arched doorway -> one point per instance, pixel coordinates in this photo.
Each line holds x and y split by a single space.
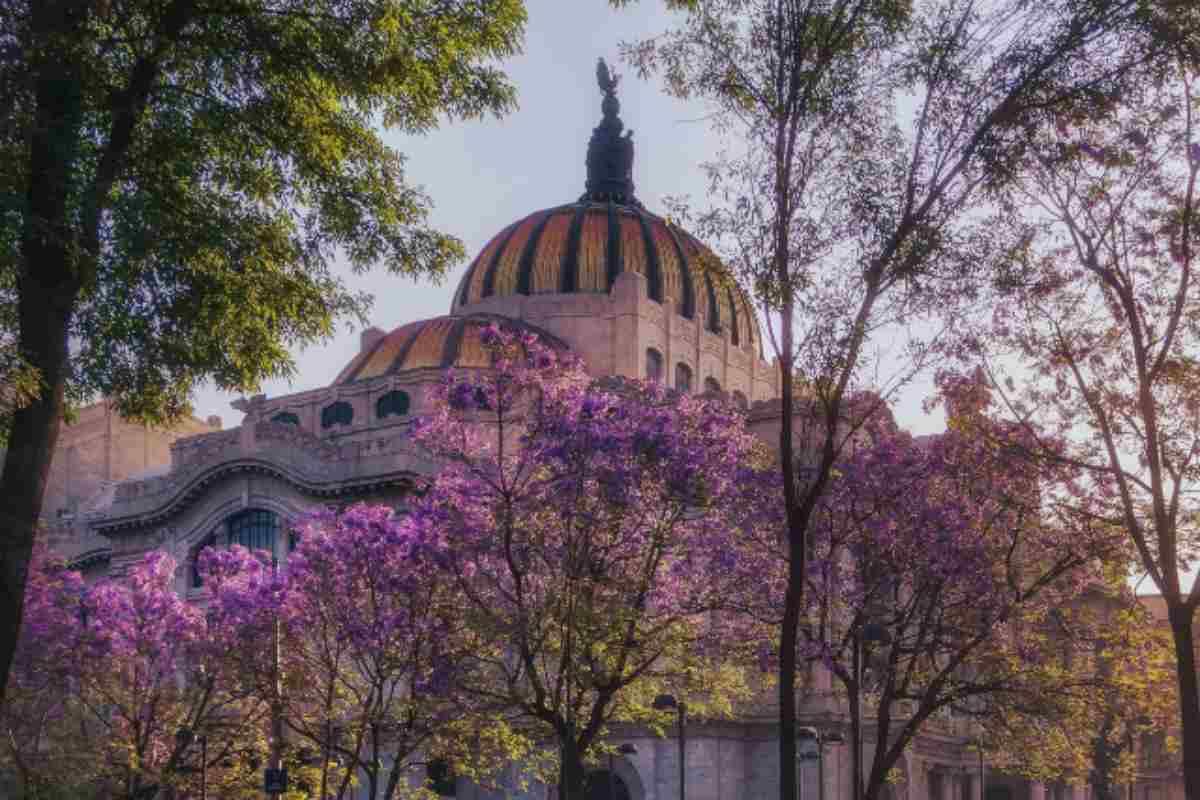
604 785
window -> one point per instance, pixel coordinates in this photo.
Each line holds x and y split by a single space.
654 365
197 578
254 529
739 400
683 377
286 418
392 404
339 413
711 384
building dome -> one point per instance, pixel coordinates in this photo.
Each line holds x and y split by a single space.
582 247
437 343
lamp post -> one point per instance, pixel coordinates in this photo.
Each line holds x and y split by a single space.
806 734
184 738
869 632
834 738
661 703
275 780
820 739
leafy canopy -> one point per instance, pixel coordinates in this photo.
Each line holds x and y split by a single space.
218 156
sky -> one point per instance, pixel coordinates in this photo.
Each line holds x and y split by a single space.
483 175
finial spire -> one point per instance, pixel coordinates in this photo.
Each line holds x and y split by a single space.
609 154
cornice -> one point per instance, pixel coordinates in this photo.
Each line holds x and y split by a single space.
194 487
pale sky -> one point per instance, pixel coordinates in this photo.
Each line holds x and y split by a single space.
483 175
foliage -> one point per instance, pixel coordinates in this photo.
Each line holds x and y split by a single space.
220 154
105 678
871 128
177 179
371 646
1094 335
1110 672
936 564
595 534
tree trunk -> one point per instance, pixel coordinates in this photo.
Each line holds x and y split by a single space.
47 286
573 778
1181 617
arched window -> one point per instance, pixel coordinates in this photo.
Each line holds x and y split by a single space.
254 529
209 541
339 413
683 377
392 404
739 399
286 418
711 384
654 365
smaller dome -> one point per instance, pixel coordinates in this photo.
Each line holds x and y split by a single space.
437 343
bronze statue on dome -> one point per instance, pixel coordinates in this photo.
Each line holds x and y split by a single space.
610 155
608 80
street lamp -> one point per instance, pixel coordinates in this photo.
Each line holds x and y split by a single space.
834 738
869 632
184 738
661 703
807 734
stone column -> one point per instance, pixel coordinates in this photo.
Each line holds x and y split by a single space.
1037 790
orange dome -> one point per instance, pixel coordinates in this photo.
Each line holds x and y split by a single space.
584 246
437 343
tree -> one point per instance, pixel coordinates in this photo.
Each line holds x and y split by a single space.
178 177
107 676
1099 308
372 641
936 565
1108 672
842 215
594 537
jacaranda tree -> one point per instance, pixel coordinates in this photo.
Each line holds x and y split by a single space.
372 642
593 533
106 679
936 565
